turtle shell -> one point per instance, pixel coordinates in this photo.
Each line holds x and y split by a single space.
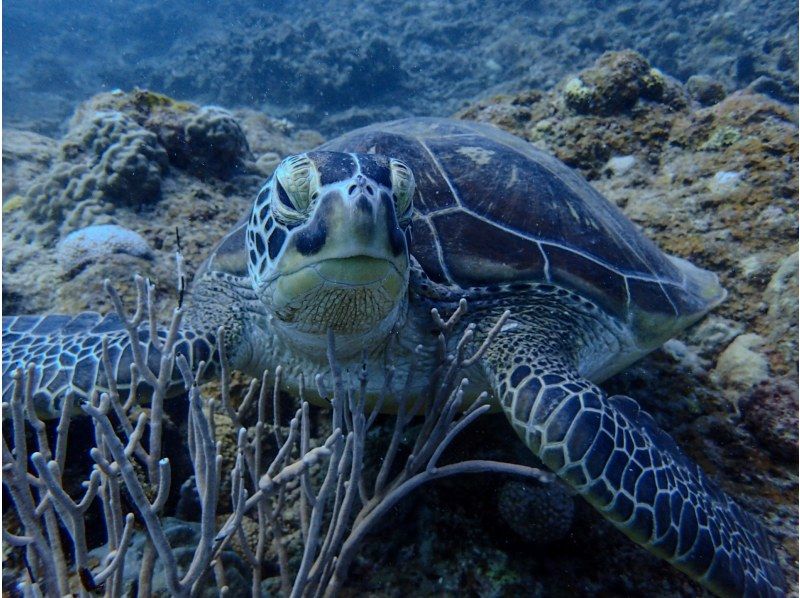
491 209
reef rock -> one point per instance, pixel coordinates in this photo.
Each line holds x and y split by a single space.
742 364
25 156
616 82
705 90
541 513
770 412
183 537
215 142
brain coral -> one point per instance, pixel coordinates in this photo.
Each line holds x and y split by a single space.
94 243
216 143
106 159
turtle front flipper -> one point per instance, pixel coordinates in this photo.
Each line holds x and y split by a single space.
67 354
617 458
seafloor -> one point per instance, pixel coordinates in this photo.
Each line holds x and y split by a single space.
711 175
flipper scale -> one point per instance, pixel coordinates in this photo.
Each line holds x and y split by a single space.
66 352
615 455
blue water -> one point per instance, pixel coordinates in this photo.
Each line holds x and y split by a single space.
335 64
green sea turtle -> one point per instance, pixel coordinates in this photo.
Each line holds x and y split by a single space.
365 234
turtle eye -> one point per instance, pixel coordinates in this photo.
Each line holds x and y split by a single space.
296 182
403 186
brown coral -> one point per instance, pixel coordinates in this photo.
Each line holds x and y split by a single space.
616 82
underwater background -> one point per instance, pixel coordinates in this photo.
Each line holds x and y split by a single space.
155 115
334 65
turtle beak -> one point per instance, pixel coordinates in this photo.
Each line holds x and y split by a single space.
354 218
345 269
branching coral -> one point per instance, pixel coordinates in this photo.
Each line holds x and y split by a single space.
335 514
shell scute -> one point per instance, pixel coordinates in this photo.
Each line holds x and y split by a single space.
433 192
425 246
478 253
589 277
646 292
528 201
524 194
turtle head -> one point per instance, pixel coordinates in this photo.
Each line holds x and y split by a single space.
328 250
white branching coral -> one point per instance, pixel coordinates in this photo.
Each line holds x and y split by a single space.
335 515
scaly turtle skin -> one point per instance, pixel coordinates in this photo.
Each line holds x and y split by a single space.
368 232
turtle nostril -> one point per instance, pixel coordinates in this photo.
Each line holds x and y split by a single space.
370 190
351 189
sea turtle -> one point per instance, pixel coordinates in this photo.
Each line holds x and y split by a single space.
368 232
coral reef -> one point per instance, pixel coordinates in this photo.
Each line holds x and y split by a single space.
711 178
183 537
139 159
178 558
705 90
25 155
215 143
105 160
337 64
540 514
770 412
742 364
616 82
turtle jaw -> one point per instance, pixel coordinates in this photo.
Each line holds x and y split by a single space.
359 298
